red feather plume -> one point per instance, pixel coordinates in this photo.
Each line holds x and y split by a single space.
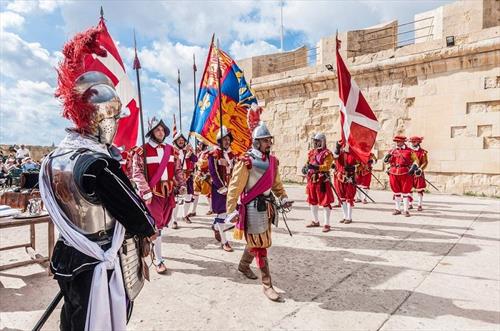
75 107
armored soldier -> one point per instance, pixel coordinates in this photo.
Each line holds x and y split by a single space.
220 165
419 183
403 163
253 180
319 186
91 201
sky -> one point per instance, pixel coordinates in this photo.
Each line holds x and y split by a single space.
33 32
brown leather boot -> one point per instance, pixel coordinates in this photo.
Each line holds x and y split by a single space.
244 266
269 291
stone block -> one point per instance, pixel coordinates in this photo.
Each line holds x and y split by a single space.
491 143
483 107
492 82
484 130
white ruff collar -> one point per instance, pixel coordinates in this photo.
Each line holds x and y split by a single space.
75 140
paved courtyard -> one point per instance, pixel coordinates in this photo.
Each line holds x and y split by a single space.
439 269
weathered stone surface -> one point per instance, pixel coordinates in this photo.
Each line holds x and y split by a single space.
448 95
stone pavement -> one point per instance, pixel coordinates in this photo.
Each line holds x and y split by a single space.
439 269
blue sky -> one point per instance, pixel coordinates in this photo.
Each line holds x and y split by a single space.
33 32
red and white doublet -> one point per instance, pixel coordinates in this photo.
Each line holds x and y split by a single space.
162 194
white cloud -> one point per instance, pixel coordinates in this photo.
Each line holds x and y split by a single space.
242 51
24 60
28 6
10 19
30 113
21 6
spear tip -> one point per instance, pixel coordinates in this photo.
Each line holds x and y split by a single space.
102 13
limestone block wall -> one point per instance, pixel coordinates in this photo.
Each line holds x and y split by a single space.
273 63
358 42
449 95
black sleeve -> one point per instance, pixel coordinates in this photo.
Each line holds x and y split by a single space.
106 180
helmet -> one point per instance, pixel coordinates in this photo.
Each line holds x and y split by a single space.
260 132
98 90
153 123
223 133
320 137
177 136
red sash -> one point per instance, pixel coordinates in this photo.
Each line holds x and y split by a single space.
263 184
167 151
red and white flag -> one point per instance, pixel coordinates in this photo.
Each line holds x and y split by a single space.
112 66
359 123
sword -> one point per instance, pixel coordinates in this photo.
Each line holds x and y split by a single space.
378 180
366 195
48 311
431 185
333 188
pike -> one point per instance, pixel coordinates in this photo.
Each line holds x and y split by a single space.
431 185
362 191
194 95
194 107
378 180
219 76
137 66
179 93
38 326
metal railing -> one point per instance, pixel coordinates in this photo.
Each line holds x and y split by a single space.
401 36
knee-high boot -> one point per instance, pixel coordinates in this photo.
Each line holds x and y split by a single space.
269 291
244 266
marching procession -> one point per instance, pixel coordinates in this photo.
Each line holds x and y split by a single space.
113 211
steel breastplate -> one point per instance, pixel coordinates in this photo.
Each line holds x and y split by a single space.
257 221
85 212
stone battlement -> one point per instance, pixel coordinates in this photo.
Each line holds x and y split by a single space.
449 94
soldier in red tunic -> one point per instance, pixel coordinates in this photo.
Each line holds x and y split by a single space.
403 163
364 177
164 177
319 186
344 181
188 160
419 183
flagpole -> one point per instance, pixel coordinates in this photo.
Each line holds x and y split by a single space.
194 96
179 89
137 66
219 75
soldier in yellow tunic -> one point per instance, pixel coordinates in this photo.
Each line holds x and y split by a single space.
255 176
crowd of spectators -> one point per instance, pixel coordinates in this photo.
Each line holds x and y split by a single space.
14 163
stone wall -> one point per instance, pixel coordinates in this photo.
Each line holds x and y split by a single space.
449 95
273 63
